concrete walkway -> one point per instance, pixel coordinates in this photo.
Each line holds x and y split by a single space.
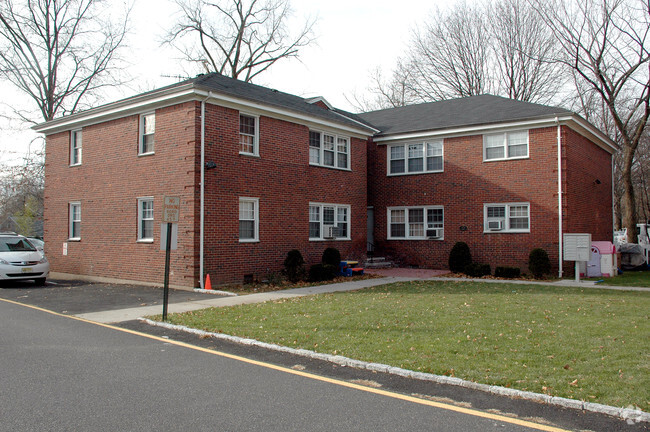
389 276
114 316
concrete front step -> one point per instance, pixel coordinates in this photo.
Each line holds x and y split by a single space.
378 262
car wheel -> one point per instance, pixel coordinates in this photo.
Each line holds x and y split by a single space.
40 281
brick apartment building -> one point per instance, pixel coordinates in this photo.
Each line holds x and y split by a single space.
260 172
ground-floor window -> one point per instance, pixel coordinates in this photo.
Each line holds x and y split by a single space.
416 223
145 219
248 219
507 217
74 223
329 221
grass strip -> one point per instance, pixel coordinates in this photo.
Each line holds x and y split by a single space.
578 343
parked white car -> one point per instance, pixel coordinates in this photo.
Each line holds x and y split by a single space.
20 260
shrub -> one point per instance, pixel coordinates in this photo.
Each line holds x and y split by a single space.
294 266
477 270
507 272
332 256
322 272
274 278
459 257
538 263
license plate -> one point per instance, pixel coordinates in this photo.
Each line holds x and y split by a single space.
27 270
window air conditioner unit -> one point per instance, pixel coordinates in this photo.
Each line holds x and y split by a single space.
434 233
495 225
330 232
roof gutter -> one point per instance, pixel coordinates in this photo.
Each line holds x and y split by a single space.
572 120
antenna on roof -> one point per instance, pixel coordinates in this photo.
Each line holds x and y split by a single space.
178 77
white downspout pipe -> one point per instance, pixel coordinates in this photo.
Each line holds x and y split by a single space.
559 197
202 205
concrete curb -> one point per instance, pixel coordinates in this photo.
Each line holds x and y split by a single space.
216 292
630 415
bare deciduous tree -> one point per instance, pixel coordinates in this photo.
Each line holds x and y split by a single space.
450 55
523 46
237 38
502 48
58 52
386 93
606 43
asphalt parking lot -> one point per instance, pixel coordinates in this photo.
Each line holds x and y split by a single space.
77 297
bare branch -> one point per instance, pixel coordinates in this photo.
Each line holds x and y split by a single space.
238 38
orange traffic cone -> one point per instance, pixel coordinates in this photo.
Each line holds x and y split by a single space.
208 285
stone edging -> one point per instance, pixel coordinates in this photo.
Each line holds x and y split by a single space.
630 415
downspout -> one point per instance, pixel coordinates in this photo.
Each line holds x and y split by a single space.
202 205
559 197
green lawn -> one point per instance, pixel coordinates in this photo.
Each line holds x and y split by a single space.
579 343
629 278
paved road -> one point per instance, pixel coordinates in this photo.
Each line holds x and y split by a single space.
60 373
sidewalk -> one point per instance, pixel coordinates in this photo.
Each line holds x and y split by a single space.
120 315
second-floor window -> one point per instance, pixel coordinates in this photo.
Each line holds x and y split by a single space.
415 158
147 131
507 145
248 135
75 147
329 150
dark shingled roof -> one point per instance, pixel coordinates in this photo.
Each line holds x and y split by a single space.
252 92
475 110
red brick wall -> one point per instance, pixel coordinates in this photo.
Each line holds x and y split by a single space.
107 184
285 184
588 204
467 183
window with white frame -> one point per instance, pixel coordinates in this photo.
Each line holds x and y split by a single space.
415 158
416 223
329 221
74 226
248 134
75 147
145 219
509 217
248 219
147 132
506 145
329 150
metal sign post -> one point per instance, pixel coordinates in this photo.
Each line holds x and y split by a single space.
171 210
166 284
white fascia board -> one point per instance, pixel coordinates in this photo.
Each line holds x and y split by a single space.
467 130
280 113
148 102
574 122
119 109
586 129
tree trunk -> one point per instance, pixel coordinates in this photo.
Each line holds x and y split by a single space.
628 199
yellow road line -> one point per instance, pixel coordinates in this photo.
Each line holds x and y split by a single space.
448 407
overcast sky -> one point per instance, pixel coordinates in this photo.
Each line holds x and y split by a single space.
353 37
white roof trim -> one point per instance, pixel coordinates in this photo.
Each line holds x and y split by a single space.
316 99
283 114
575 122
186 93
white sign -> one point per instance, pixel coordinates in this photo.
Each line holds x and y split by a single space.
163 237
65 248
577 247
171 209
